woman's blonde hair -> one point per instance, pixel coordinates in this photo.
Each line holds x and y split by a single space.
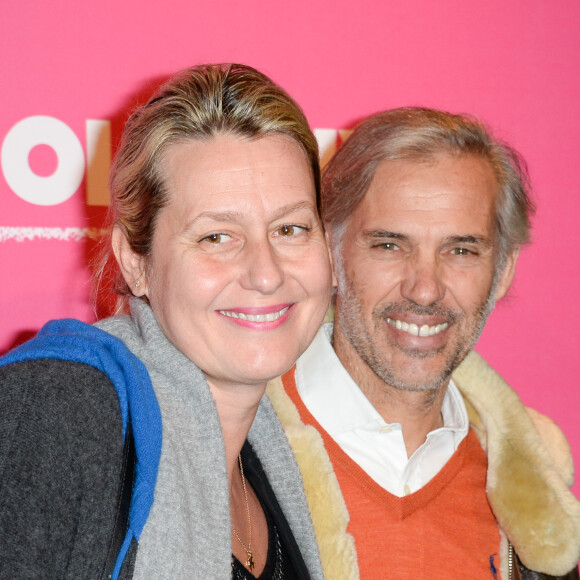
197 103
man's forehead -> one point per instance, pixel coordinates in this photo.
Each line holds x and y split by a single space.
448 191
466 176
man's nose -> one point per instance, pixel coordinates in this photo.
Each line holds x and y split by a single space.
422 282
262 268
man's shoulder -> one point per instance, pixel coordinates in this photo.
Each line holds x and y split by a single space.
555 442
529 470
491 397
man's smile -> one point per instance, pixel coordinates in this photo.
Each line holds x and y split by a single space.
416 330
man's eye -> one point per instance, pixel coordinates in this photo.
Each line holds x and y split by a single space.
215 238
461 252
388 246
290 230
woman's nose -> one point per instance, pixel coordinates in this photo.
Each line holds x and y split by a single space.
262 270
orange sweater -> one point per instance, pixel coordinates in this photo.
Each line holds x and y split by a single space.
446 530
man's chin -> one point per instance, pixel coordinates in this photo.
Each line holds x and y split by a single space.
426 363
420 371
419 383
415 353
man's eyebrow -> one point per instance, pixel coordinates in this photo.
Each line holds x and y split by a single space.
470 239
383 235
466 239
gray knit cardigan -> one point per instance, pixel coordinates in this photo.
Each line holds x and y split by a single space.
188 533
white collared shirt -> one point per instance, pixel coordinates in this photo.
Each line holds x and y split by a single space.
336 402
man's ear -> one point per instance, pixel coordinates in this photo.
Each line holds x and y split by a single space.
329 246
508 274
132 265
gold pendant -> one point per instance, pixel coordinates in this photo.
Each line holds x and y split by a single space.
250 561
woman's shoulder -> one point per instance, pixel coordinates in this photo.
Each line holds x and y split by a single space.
57 387
68 405
61 450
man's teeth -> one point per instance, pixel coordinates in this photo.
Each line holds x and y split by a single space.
269 317
416 330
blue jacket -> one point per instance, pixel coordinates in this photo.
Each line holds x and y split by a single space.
75 341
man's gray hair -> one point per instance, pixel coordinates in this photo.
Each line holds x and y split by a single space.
420 134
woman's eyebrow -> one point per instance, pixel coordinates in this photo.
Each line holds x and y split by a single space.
229 216
294 207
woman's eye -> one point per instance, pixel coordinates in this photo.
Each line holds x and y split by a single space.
215 239
290 230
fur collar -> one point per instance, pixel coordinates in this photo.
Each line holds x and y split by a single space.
329 514
529 471
527 484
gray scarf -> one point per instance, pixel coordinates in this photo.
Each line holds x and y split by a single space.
188 533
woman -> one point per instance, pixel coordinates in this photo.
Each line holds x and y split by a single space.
223 265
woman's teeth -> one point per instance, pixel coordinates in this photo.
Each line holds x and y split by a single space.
269 317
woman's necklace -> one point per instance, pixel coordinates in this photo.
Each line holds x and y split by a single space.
248 550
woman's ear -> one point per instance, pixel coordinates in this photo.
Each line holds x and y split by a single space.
132 265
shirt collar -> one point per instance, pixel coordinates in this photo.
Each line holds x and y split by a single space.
337 403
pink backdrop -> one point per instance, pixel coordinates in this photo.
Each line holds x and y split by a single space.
71 71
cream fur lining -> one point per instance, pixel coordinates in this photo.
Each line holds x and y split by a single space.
329 514
529 471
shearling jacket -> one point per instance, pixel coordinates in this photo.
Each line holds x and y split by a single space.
529 474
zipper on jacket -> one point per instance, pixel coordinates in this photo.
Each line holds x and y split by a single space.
510 562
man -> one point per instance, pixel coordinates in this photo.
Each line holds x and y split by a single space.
432 476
